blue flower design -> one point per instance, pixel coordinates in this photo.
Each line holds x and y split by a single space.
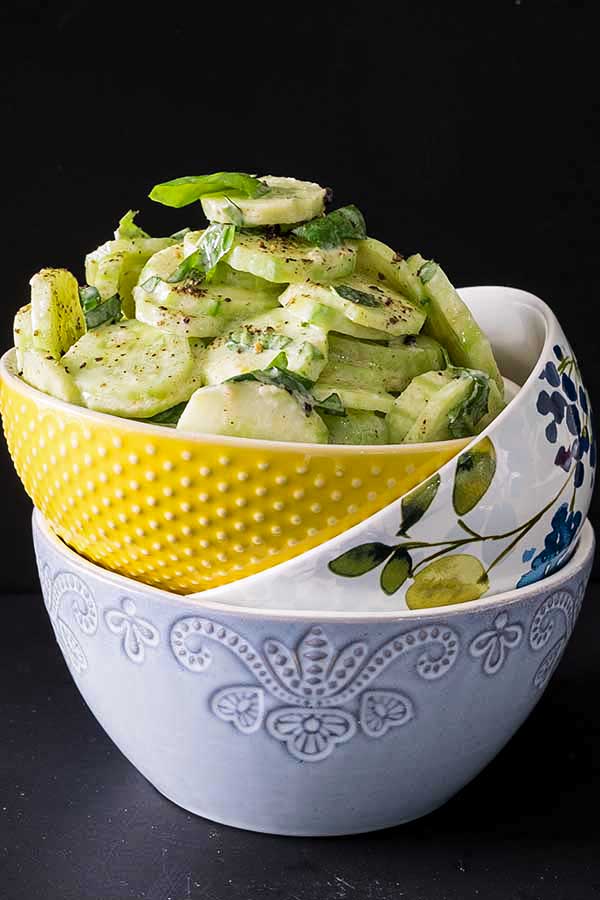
565 525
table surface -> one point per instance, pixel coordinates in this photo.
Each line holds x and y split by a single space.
77 821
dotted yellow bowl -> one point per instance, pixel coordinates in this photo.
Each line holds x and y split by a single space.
185 511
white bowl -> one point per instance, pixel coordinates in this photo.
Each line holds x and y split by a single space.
306 723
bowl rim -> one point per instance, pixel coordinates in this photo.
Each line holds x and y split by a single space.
519 296
581 556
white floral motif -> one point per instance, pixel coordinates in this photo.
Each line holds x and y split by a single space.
310 734
559 607
243 706
313 681
382 710
84 610
494 645
137 633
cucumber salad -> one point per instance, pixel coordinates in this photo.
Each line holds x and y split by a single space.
279 320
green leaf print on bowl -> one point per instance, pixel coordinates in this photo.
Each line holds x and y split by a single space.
450 579
475 471
416 504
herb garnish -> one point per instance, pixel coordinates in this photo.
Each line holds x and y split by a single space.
361 298
331 230
182 191
278 375
96 310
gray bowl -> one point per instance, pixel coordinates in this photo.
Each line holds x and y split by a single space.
306 723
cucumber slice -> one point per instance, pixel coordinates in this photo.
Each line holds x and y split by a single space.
354 397
496 404
409 405
255 344
284 259
439 406
450 322
23 333
287 202
205 298
252 410
306 308
391 367
357 427
56 316
114 267
362 302
130 369
46 374
178 323
381 263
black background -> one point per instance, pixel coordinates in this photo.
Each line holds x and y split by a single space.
464 131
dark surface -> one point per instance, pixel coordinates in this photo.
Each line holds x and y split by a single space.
463 130
78 823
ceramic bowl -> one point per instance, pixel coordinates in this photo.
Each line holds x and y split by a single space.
306 723
191 512
503 513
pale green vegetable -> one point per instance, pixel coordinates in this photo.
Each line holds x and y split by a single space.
22 333
356 427
56 316
45 373
284 258
131 369
286 201
253 410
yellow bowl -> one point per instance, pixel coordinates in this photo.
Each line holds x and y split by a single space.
184 511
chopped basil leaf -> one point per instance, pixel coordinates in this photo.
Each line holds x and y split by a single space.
247 339
278 375
463 419
182 191
234 212
215 242
361 298
127 229
179 235
331 230
104 313
150 283
427 271
89 297
169 416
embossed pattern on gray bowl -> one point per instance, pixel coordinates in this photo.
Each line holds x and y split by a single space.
302 724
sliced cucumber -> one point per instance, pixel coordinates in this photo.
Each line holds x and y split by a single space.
412 401
130 369
380 263
174 322
45 373
303 306
252 410
114 267
56 316
392 367
201 298
439 406
354 397
288 201
255 344
364 303
496 404
23 333
284 259
450 322
356 427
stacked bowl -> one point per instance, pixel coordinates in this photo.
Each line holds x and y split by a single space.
316 639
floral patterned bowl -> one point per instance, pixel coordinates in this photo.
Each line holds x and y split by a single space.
503 513
306 723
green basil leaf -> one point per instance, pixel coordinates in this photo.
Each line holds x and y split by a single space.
463 419
245 339
127 229
89 297
104 313
361 298
234 212
360 560
215 242
395 572
427 271
415 505
169 416
331 230
182 191
278 375
475 471
150 283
